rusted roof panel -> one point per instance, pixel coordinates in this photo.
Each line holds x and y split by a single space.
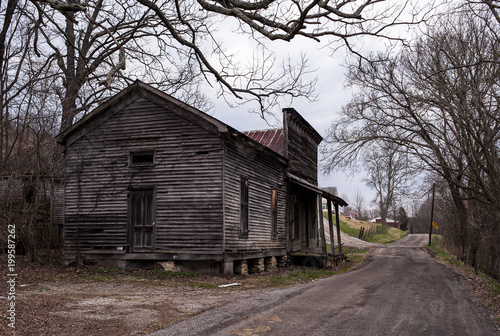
272 138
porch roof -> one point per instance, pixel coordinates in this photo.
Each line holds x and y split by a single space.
308 185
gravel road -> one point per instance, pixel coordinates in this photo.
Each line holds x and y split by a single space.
399 290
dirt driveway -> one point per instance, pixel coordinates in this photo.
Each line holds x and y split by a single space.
58 300
399 290
111 309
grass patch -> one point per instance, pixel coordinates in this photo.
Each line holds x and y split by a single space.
106 269
357 256
202 285
349 230
390 236
302 275
299 276
441 254
352 228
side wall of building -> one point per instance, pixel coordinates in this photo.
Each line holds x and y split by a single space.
263 172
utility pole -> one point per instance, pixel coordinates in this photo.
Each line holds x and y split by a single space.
432 213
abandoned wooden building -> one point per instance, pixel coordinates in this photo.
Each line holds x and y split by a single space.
151 179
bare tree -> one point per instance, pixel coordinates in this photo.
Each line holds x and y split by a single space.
437 100
491 5
359 204
174 44
389 174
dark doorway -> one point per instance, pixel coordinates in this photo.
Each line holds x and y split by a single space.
304 217
142 220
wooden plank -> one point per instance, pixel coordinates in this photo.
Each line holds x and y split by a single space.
339 240
321 225
330 226
263 175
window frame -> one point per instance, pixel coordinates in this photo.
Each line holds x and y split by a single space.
274 213
244 206
144 153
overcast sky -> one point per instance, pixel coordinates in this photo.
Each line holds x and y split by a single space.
319 114
331 97
332 94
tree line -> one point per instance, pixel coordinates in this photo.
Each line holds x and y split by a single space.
431 113
432 104
61 59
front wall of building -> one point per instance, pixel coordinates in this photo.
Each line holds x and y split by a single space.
185 180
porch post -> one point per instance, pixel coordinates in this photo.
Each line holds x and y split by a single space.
330 226
339 242
321 225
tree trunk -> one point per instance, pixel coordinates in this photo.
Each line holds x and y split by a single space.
69 100
4 130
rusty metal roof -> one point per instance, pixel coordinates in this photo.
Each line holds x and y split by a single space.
272 138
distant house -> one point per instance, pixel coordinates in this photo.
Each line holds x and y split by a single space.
32 191
149 178
331 190
389 221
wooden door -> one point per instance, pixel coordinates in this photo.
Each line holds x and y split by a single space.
142 220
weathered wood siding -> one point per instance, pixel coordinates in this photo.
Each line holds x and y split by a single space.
49 192
186 176
264 173
302 146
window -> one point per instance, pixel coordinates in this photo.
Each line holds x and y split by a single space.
29 192
244 207
142 158
274 213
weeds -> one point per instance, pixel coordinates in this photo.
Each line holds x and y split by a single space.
391 235
202 285
298 276
172 274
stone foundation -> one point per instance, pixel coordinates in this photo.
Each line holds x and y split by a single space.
241 267
256 265
168 266
283 261
270 264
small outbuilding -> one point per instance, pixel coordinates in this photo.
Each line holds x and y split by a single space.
151 179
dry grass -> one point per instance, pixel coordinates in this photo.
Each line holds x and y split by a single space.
357 224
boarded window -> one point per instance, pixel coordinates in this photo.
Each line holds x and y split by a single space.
29 191
244 207
274 213
142 158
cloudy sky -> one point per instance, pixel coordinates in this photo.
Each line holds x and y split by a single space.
332 94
